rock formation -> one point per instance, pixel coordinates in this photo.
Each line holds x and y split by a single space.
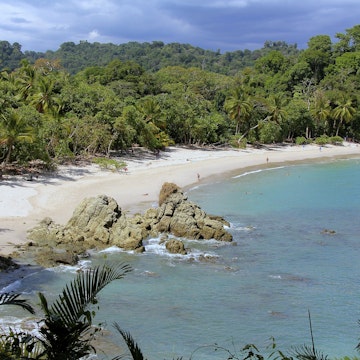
99 222
182 218
7 264
175 247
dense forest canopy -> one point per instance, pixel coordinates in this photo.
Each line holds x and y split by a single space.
151 56
91 99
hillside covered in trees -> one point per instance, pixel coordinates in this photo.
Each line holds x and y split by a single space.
91 99
151 56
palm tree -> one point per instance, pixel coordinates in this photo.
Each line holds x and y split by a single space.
320 109
239 107
26 79
151 111
275 106
13 129
43 98
344 112
153 123
67 329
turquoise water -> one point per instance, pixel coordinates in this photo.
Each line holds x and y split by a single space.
281 266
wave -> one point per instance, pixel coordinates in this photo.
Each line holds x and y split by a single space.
111 249
290 277
197 250
257 171
11 287
16 279
157 246
238 227
81 265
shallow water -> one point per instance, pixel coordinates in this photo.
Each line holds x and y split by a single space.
283 264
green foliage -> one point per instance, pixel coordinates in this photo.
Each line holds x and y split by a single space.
269 133
17 345
150 56
107 97
336 140
67 329
237 141
13 299
322 140
239 106
298 121
301 140
14 129
10 55
109 164
133 347
272 63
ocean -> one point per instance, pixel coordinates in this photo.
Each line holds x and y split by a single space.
296 250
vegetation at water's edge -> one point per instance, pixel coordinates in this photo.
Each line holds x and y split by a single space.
93 99
66 330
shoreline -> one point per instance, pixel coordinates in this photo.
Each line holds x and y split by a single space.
24 203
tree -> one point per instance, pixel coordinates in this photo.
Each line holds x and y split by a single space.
299 121
151 111
348 42
26 79
46 66
87 134
269 132
320 110
66 332
299 73
273 62
239 107
153 131
14 128
350 62
275 107
43 98
343 112
318 55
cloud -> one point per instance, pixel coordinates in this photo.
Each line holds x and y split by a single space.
94 34
227 25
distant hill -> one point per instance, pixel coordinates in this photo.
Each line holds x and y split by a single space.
151 56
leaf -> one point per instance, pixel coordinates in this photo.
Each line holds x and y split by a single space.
131 344
12 299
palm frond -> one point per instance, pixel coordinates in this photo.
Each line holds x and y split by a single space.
12 299
68 329
131 344
82 291
306 352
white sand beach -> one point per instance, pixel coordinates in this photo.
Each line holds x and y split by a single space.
24 203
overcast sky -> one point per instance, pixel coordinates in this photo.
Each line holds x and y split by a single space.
224 25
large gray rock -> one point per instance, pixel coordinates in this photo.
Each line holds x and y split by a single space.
174 246
98 222
179 216
92 220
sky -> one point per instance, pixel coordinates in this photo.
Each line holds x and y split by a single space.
217 25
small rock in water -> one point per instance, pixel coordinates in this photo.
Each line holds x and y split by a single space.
328 232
